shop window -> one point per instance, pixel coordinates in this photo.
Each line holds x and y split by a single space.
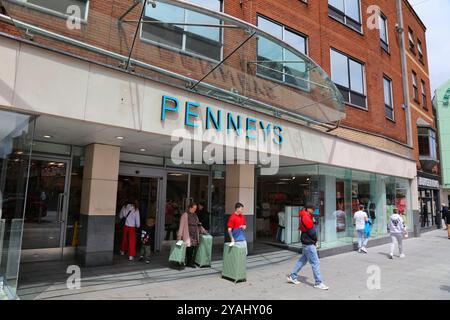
427 143
198 40
347 12
279 63
388 101
348 75
384 38
59 7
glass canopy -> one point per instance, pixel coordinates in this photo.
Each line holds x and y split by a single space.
192 46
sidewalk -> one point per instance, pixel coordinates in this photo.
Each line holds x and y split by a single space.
423 274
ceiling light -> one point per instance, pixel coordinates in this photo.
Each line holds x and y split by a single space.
142 149
120 138
47 136
19 152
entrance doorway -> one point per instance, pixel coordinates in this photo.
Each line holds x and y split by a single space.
46 210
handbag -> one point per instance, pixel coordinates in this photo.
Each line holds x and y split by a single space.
124 219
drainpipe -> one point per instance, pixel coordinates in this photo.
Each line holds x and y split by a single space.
401 31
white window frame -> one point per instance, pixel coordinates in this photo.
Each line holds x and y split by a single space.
183 45
36 7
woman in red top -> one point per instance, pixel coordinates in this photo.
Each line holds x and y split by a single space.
237 225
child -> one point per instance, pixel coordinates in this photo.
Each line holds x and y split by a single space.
397 229
146 239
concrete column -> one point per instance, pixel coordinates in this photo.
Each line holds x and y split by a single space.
414 194
240 187
98 205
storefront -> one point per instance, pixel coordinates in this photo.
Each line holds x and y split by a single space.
429 199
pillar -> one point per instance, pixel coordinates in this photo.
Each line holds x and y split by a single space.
240 187
98 205
413 194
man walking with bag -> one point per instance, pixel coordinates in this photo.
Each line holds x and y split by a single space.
309 250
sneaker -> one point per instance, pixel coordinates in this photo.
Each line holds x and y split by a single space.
294 281
402 255
130 258
122 253
359 250
363 249
321 286
147 261
391 256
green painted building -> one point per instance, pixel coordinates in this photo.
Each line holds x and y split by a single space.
441 102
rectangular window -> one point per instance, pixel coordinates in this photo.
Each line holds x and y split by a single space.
424 94
415 88
388 99
279 63
420 50
427 142
411 41
347 12
60 7
199 40
384 38
348 75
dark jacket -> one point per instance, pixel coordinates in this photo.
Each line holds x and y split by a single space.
309 233
446 214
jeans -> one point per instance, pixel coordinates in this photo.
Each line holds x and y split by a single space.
309 255
362 240
396 237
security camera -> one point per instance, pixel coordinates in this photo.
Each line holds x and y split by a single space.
152 2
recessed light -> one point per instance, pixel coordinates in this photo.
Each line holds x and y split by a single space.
47 136
142 149
19 152
120 138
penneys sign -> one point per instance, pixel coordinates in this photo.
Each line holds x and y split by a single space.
221 120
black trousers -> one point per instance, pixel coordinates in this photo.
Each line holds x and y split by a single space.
190 256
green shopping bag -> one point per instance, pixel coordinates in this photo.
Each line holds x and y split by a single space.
204 251
178 253
234 262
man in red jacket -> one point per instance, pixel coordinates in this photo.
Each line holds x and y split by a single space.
309 250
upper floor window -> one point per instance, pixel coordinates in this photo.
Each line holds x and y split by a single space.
347 12
388 100
277 62
59 7
411 40
420 50
384 38
187 36
348 75
427 142
415 88
424 94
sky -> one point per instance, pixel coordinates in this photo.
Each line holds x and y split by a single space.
435 14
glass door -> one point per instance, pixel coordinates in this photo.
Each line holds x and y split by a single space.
177 200
46 208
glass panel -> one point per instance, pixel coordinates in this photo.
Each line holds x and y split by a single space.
295 40
199 192
387 92
383 29
218 214
338 4
176 202
270 27
352 9
270 57
45 204
356 77
339 69
203 40
209 4
73 212
16 133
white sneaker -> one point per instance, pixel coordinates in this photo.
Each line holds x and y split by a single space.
363 249
391 256
294 281
321 286
131 258
402 255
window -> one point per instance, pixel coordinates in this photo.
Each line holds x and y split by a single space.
384 33
348 75
388 100
59 6
415 90
198 40
272 57
427 142
424 95
346 12
411 41
420 50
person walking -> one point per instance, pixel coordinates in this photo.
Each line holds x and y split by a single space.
189 231
360 224
237 226
309 251
446 216
130 213
397 230
203 215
